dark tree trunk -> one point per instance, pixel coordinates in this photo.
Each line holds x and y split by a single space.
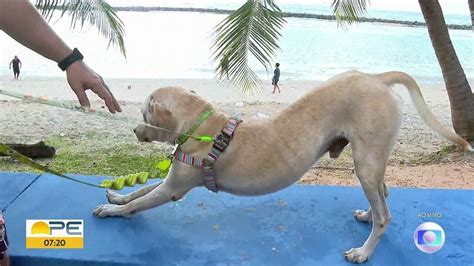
471 8
457 86
38 150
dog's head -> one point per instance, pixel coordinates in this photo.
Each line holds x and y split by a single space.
172 108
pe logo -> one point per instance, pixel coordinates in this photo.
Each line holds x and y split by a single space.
55 234
429 237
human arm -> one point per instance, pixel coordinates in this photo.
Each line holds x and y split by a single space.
19 61
10 65
33 32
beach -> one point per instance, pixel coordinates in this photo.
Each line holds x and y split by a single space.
79 174
167 48
420 158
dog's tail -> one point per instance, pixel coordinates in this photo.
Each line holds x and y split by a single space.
395 77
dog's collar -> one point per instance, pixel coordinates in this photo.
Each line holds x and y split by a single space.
221 141
204 116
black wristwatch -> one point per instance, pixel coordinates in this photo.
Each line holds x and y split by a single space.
70 59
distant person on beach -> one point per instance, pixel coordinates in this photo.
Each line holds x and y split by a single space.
33 32
16 66
276 78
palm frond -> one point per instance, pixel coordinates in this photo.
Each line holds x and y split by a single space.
253 29
96 12
349 11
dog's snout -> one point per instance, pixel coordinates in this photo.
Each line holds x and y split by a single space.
134 130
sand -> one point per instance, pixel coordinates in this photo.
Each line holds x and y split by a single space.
30 122
57 88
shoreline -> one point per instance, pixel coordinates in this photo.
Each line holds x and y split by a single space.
288 15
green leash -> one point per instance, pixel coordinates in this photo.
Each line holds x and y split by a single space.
204 116
116 184
44 100
27 161
119 182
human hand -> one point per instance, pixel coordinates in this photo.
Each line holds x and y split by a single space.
81 78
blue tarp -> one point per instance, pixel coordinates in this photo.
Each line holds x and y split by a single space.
301 225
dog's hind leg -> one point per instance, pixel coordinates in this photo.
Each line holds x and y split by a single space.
366 216
370 166
363 216
116 198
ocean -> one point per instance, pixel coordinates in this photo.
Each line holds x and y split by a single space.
165 45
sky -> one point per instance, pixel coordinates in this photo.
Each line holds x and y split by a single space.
448 6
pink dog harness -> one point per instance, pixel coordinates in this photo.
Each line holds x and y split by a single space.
221 141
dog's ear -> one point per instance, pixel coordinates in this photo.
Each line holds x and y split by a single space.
151 104
159 111
155 107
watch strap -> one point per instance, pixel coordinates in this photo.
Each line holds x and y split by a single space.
70 59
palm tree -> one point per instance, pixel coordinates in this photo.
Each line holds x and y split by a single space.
471 8
96 12
457 86
254 28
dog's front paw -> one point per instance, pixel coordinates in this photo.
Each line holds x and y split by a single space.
115 198
106 210
363 216
356 255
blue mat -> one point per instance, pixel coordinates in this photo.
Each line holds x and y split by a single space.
12 185
301 225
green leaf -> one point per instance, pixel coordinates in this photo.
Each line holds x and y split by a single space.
96 12
253 29
349 11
